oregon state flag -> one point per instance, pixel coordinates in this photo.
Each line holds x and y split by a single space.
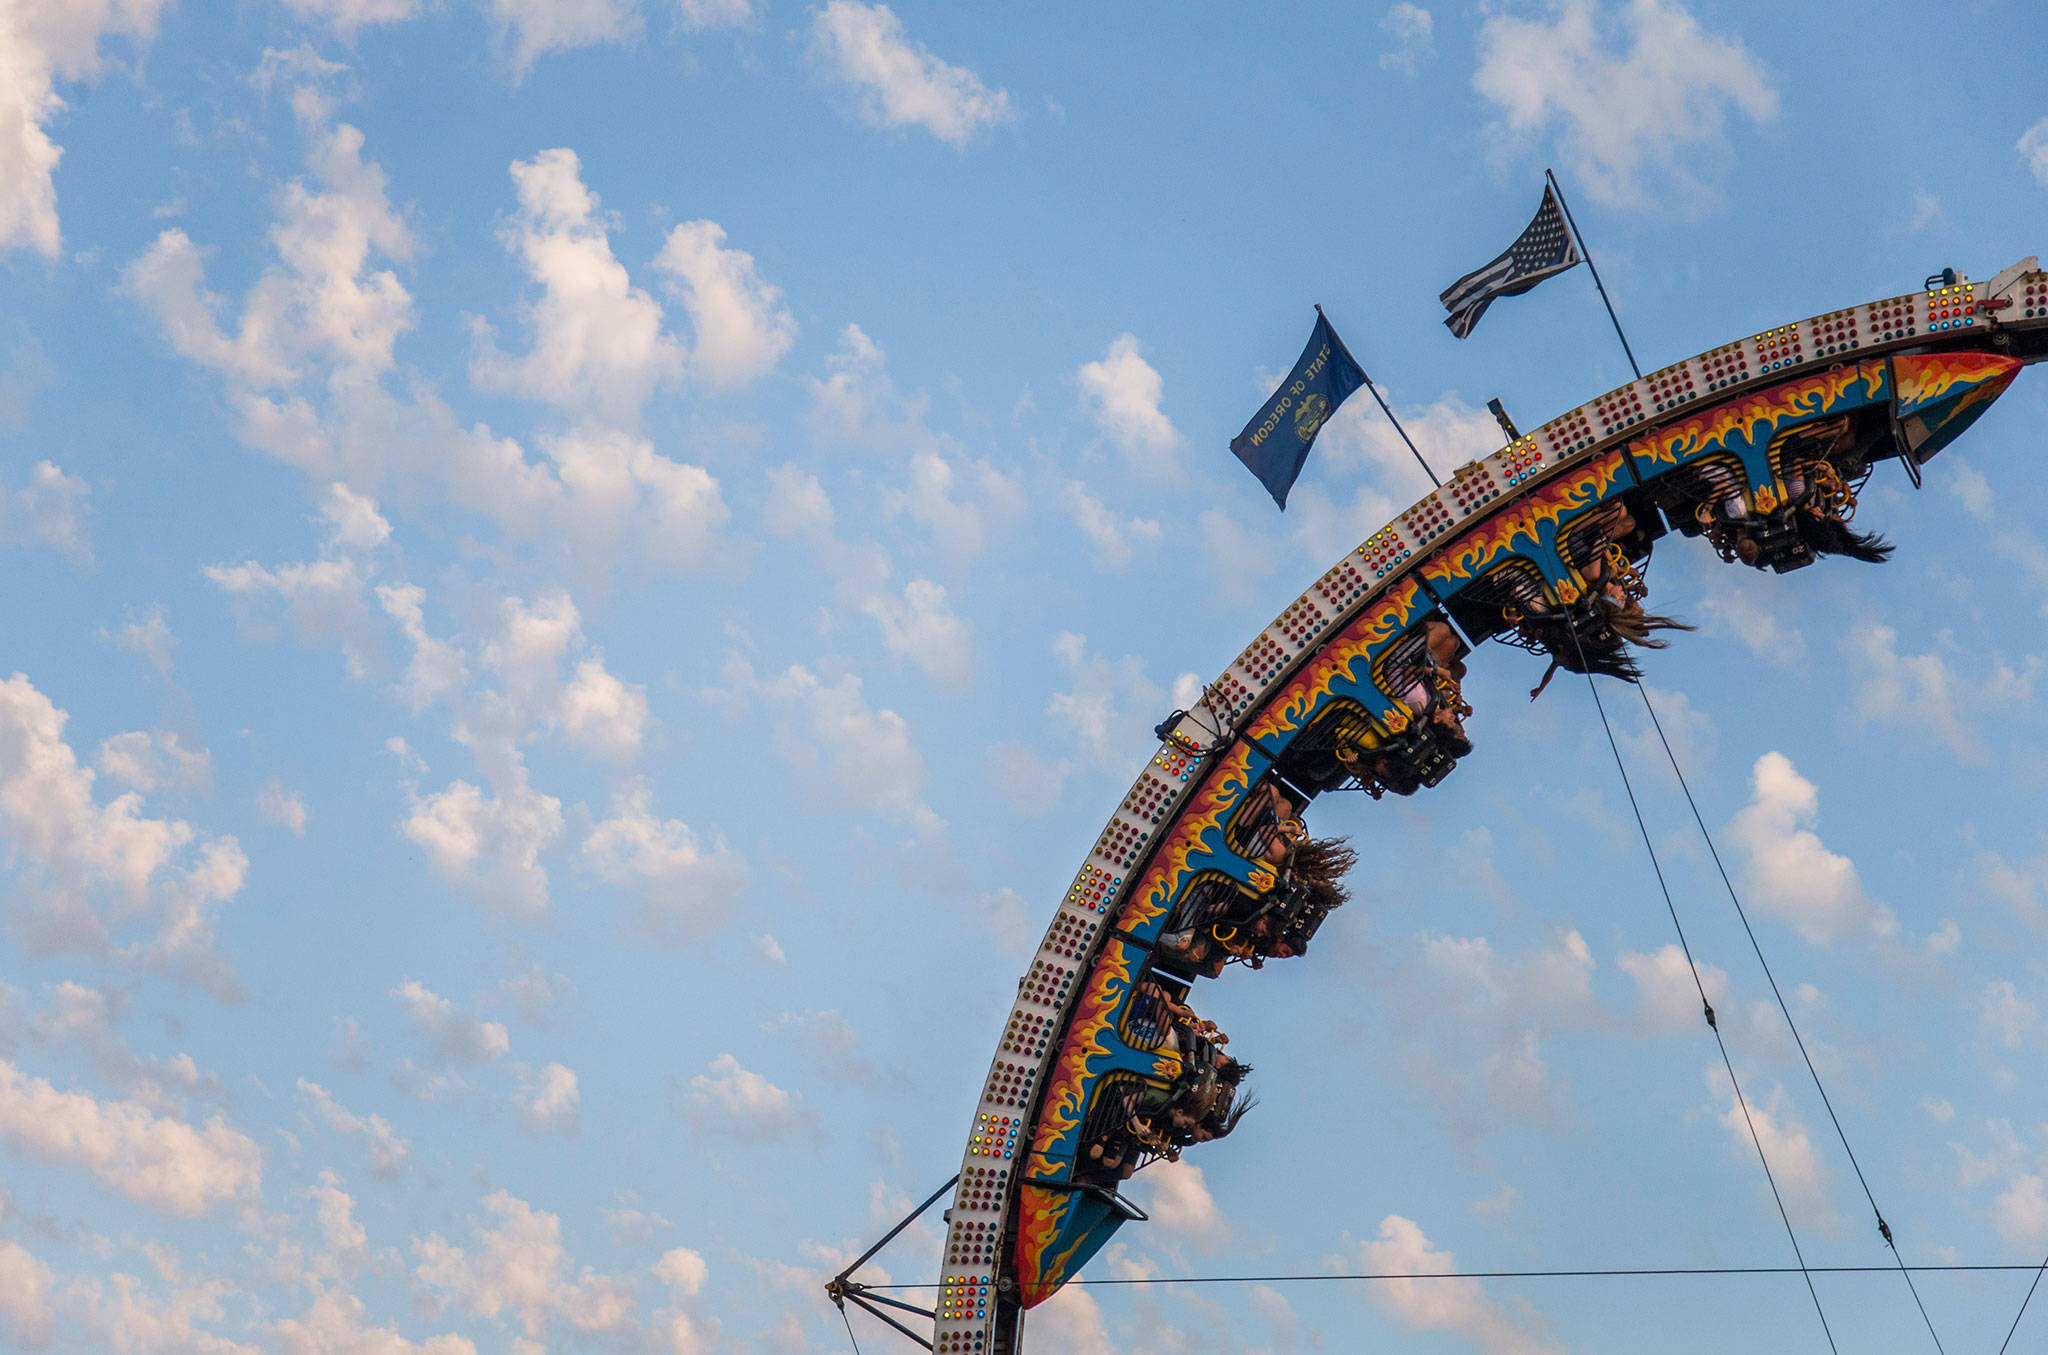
1276 442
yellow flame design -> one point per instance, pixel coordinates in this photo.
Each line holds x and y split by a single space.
1711 428
1474 553
1926 378
1375 625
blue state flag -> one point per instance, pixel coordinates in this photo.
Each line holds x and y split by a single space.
1275 443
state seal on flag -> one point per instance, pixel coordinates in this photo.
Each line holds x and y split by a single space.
1309 417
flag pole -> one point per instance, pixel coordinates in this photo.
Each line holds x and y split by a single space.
1587 254
1380 400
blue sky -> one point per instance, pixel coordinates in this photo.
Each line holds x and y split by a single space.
584 574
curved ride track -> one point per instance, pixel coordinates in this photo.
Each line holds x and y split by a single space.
1511 536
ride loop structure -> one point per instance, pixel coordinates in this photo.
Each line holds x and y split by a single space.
1757 446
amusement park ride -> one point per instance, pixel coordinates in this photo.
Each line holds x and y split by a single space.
1758 446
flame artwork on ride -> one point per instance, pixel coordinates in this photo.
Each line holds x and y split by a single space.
1357 684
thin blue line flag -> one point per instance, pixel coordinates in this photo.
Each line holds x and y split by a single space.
1275 443
1544 249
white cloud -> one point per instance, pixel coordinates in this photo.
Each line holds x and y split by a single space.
829 1043
847 747
528 647
2009 1016
119 1314
605 715
633 1227
1922 691
1413 31
1667 999
1460 1307
1181 1205
900 83
1927 211
797 505
1473 1023
305 361
1971 488
2021 1211
1447 431
335 1323
1755 610
25 1289
2033 149
598 344
1322 528
1123 391
687 889
490 844
682 1270
536 27
150 636
323 599
735 1103
923 629
150 761
39 45
352 519
847 399
518 1267
1632 118
83 1019
1790 873
1112 706
346 17
1795 1167
1113 539
698 15
28 371
616 489
1071 1321
334 1209
957 503
47 511
157 1161
388 1151
456 1038
324 304
548 1098
285 808
170 279
74 849
437 668
1688 729
740 325
1009 920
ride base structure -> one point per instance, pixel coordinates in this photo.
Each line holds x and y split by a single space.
1540 544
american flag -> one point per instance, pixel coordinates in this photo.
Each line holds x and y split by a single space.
1544 249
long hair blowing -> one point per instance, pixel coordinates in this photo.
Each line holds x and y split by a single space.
1826 535
1240 1106
1604 652
1635 626
1322 863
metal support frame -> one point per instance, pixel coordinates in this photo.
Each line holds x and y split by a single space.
863 1299
1441 606
842 1289
1891 407
1131 1212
